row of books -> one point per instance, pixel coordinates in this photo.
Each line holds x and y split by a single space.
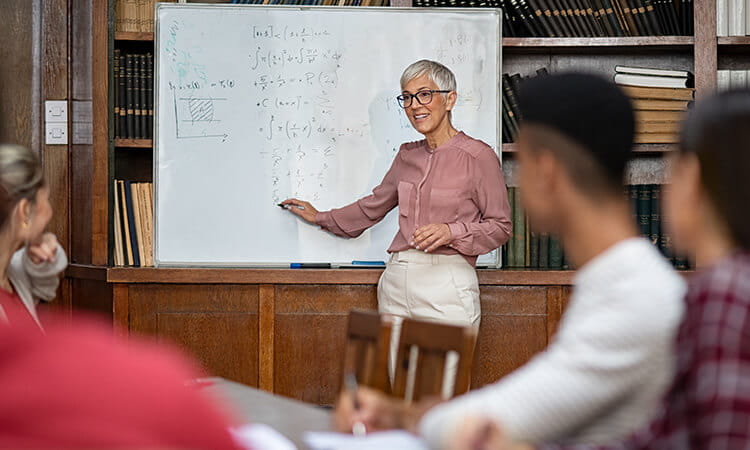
733 17
732 79
315 2
133 224
511 114
531 250
135 15
659 111
646 203
133 80
527 248
591 18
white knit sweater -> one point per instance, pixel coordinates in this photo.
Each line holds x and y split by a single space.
606 369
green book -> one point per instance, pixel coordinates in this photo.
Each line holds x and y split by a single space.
527 242
665 239
555 253
644 210
655 225
519 230
543 250
510 245
633 194
534 250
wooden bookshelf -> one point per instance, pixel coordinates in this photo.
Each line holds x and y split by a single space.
586 42
733 41
509 149
134 143
134 36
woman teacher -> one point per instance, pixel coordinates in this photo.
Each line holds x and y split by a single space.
452 203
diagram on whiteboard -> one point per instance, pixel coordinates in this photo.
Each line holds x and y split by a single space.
198 117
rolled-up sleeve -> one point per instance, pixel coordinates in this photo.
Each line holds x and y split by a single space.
352 220
494 226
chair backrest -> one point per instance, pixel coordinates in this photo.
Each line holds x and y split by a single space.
368 337
433 341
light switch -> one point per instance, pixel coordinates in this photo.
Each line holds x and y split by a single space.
56 111
56 122
57 133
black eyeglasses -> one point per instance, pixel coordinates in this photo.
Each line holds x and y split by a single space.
423 97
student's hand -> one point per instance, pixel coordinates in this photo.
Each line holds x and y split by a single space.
432 236
376 411
301 208
480 433
43 249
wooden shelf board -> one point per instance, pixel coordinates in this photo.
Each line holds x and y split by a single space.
734 40
510 277
638 148
134 36
134 143
647 41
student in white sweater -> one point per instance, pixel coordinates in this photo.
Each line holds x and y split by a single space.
611 360
30 259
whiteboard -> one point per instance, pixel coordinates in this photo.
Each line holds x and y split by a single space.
256 104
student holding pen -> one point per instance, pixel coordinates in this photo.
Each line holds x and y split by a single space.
452 204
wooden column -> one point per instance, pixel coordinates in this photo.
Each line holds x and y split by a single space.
705 48
266 313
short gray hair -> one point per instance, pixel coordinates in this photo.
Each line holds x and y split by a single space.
441 75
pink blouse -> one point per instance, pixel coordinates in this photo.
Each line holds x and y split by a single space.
459 183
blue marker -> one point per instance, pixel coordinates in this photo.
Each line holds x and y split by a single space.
310 265
368 263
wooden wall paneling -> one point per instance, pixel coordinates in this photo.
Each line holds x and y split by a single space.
92 296
19 115
217 324
310 336
81 154
513 329
706 59
101 49
266 331
121 309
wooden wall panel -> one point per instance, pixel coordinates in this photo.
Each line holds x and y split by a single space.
513 329
216 324
309 337
92 296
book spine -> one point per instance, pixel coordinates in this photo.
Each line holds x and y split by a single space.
512 101
555 253
509 120
144 96
604 18
116 90
632 28
652 17
511 244
150 94
590 19
542 19
127 246
519 230
608 8
131 224
534 21
655 224
580 12
534 250
564 19
570 13
644 211
643 13
123 125
660 17
130 100
552 19
633 194
137 89
116 227
620 16
544 250
527 242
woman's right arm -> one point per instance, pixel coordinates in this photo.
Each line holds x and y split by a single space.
352 220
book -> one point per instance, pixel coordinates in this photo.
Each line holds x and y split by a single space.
137 207
511 244
737 79
660 105
137 88
652 17
527 242
653 72
534 250
116 91
653 81
644 210
127 242
119 256
656 138
659 116
122 120
655 223
658 127
129 97
150 95
625 8
736 13
131 223
544 250
639 92
519 230
555 253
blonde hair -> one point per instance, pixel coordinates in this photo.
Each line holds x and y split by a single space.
21 176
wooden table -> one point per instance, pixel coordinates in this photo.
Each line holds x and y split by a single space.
289 417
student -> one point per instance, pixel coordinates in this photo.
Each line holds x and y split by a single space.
30 259
452 204
611 360
708 404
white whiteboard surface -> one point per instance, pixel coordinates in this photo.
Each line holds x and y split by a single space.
258 104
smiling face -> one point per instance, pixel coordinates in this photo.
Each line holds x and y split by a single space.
434 116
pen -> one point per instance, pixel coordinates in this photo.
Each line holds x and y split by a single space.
358 428
310 265
283 206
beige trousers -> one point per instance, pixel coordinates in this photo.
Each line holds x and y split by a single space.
423 286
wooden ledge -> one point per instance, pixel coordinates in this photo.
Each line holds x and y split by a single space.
637 148
584 42
136 275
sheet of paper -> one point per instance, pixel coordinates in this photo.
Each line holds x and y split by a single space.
261 436
398 439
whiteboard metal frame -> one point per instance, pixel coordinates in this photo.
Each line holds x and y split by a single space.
497 12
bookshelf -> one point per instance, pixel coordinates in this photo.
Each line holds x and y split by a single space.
273 315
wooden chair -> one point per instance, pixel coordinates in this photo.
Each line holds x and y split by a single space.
434 341
368 337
